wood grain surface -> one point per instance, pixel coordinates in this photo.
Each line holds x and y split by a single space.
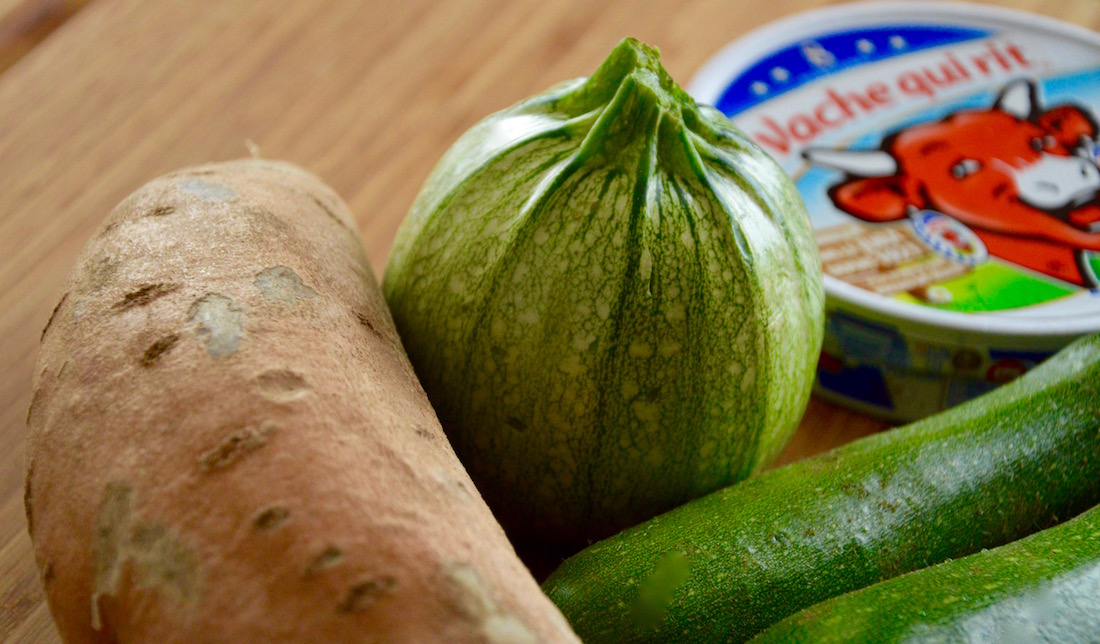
26 23
365 94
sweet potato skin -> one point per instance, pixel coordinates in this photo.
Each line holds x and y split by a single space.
227 442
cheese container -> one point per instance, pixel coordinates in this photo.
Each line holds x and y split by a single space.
947 154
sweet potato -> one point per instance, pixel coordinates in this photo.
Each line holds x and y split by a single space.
227 442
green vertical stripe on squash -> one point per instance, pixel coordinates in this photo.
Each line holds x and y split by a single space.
612 299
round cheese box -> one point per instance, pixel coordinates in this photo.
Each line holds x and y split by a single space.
947 154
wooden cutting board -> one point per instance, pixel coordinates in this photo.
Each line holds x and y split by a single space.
97 99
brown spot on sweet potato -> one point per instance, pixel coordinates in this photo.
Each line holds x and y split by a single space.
324 560
282 385
53 315
106 228
220 323
328 210
264 224
271 518
234 447
365 321
282 284
159 559
366 593
144 295
320 203
159 211
157 349
28 495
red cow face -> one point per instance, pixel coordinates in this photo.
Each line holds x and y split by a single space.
978 165
1009 171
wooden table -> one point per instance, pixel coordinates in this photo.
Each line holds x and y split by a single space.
96 99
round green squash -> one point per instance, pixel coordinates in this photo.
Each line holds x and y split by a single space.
613 299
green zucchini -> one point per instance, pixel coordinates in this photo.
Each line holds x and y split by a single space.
1045 587
730 564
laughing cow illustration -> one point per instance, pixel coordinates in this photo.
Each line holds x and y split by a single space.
1022 178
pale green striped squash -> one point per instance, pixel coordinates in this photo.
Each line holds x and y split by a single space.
613 300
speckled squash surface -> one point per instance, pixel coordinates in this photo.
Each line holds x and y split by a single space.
613 299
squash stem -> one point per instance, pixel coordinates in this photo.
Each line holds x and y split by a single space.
641 110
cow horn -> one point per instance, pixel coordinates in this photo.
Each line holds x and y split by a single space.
861 163
1019 98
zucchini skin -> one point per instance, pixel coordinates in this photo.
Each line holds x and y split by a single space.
1045 587
976 476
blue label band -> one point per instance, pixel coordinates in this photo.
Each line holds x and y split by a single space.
814 58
